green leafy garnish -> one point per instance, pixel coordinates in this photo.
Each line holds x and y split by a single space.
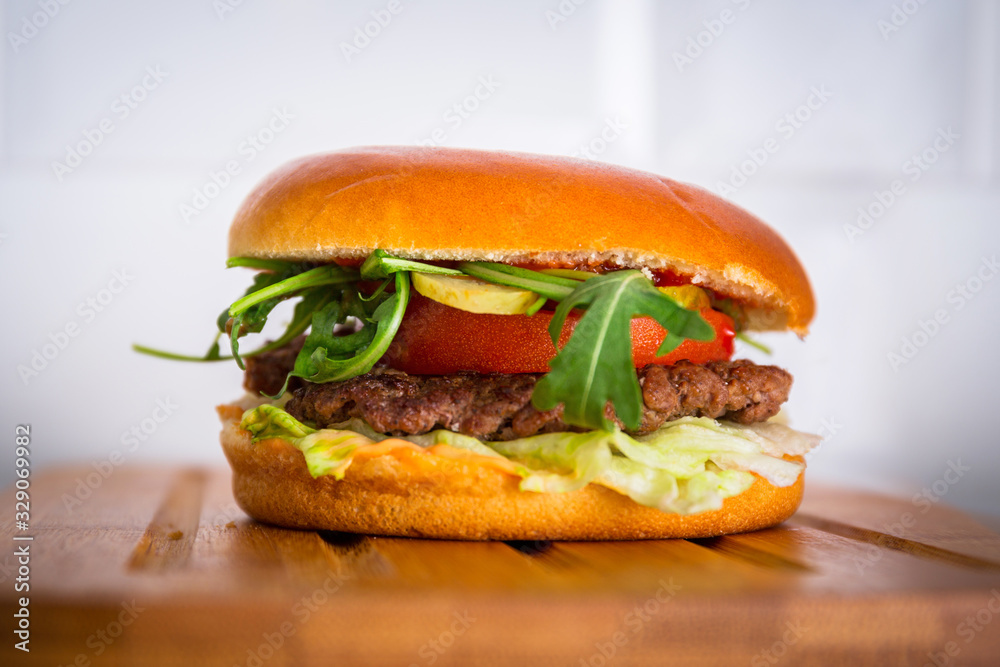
331 274
381 265
270 421
211 355
572 274
273 271
552 287
593 369
734 310
753 343
536 306
328 357
276 265
689 465
249 314
595 366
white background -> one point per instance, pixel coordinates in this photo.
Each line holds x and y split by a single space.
889 89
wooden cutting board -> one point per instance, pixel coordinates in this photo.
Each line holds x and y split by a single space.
157 566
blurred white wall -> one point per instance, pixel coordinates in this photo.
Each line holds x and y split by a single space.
802 112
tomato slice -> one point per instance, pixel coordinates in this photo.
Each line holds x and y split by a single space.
435 339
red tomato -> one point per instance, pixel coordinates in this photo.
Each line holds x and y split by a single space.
434 339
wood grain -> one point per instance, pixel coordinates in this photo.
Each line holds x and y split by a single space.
171 534
163 560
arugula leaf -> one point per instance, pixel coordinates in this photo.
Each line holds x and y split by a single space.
211 355
381 264
249 314
550 286
312 300
326 357
734 310
595 366
330 274
274 271
251 320
536 306
280 266
753 343
572 274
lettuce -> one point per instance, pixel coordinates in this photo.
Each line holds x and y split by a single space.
688 466
269 421
701 492
683 446
457 440
558 462
330 452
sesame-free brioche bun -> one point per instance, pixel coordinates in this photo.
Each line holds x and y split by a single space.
453 499
459 204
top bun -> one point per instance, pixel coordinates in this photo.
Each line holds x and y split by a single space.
459 204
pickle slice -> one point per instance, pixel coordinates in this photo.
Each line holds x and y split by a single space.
690 297
473 295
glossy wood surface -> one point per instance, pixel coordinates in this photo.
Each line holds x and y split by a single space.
164 560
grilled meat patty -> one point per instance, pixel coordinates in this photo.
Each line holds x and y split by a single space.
498 406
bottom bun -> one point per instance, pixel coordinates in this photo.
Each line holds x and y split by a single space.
453 499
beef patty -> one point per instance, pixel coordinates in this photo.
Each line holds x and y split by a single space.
498 406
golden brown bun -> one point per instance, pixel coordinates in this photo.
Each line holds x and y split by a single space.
465 501
446 203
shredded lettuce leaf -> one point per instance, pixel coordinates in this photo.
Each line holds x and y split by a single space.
558 462
701 492
688 466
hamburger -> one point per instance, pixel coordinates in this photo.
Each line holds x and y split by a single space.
505 346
